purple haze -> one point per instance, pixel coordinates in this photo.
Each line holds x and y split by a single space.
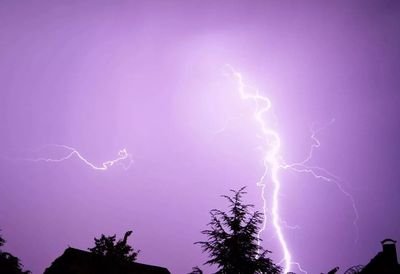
148 76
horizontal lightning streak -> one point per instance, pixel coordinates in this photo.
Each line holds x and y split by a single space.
124 158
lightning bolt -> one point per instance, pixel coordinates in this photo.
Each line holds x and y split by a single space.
123 158
273 163
271 160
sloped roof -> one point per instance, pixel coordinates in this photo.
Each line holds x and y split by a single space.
76 261
379 265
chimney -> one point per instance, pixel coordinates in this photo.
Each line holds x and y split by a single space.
389 251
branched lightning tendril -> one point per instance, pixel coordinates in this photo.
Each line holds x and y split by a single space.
124 158
322 173
273 164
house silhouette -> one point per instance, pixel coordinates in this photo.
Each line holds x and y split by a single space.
385 262
76 261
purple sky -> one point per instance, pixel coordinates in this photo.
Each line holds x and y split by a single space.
149 77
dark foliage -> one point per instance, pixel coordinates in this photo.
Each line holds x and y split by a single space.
2 241
118 251
232 239
8 263
196 270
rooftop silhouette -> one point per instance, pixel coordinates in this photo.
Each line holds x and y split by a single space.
385 262
76 261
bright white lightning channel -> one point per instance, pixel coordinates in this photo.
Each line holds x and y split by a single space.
273 164
271 161
123 158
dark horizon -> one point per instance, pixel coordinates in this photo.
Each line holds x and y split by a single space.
76 261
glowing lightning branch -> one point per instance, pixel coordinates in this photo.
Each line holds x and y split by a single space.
323 174
271 161
124 158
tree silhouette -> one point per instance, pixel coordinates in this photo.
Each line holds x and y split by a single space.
117 251
196 270
232 239
2 241
8 263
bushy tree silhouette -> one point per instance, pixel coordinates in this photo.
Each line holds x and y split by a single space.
8 263
2 241
196 270
232 239
118 251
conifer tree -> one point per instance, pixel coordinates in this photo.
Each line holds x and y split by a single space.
232 240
